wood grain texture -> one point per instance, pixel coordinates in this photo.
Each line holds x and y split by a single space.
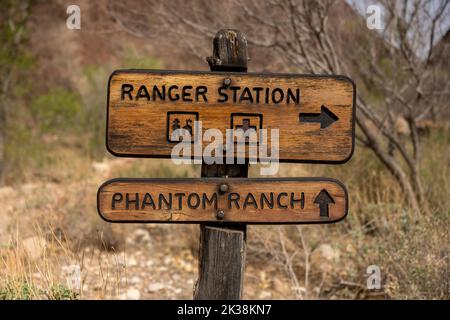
222 249
191 206
221 281
139 127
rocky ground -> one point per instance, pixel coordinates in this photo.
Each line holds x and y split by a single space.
151 269
51 233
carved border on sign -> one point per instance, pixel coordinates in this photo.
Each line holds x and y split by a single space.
225 180
240 114
239 74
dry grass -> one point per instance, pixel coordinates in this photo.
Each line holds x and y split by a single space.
54 170
304 262
412 250
51 224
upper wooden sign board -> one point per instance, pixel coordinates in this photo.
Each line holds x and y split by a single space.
314 114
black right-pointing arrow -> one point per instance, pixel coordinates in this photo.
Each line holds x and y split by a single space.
326 118
323 199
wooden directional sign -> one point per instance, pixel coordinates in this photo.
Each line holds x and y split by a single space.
243 200
314 114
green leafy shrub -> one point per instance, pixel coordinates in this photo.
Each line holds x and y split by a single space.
59 110
16 290
21 289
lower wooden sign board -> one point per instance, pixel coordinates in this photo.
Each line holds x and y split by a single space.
221 200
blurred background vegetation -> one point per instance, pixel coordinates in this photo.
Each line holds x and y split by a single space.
53 158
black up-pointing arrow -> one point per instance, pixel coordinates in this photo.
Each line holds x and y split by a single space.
325 117
323 199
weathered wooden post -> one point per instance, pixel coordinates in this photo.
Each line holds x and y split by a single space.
222 249
313 120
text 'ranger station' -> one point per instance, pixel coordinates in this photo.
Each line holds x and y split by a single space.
188 93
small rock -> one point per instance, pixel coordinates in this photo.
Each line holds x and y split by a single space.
7 192
177 290
402 126
101 167
133 294
325 257
265 295
280 285
131 262
153 287
176 277
327 252
134 280
141 236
